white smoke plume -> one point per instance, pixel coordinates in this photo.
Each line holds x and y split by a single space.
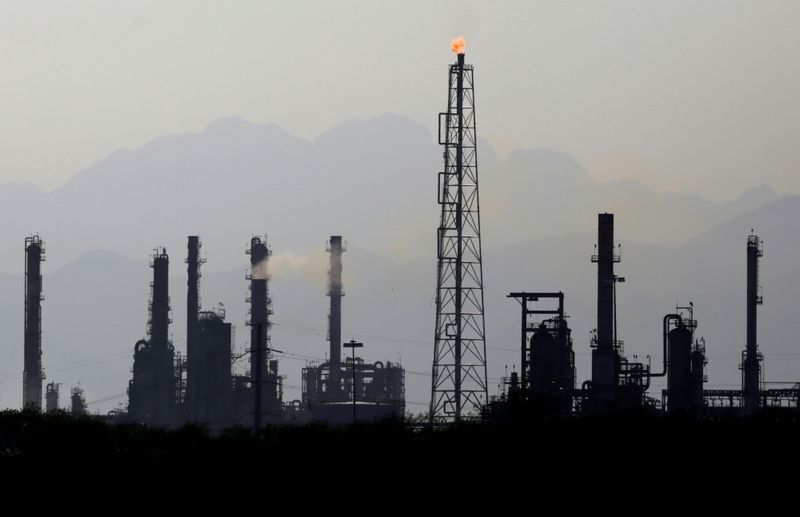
313 266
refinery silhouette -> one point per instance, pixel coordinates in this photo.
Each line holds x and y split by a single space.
197 390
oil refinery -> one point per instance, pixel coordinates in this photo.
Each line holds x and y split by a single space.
200 384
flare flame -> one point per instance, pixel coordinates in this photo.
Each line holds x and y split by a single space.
457 45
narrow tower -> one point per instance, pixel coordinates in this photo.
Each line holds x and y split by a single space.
605 355
259 322
163 403
152 391
751 357
259 300
193 359
33 375
193 262
159 305
459 387
335 292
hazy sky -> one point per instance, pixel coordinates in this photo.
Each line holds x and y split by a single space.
681 94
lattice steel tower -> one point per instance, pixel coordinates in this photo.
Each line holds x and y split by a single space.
459 388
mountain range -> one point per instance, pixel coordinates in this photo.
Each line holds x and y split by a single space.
374 182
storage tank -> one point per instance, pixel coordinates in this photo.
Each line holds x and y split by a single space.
698 374
679 378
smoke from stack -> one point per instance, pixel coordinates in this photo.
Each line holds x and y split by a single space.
311 266
335 293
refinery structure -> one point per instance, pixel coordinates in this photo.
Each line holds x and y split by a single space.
170 387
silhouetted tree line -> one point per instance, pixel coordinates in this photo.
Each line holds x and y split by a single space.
625 451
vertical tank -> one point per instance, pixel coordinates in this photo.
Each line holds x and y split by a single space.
310 386
552 364
699 362
544 361
51 397
210 396
679 361
77 402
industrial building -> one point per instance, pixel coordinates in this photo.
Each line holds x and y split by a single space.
753 394
547 362
169 389
205 386
618 384
343 390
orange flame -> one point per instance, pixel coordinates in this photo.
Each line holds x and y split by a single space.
457 45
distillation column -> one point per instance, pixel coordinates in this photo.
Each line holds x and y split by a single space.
33 375
162 404
193 262
751 360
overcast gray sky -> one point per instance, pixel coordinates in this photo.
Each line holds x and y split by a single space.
681 95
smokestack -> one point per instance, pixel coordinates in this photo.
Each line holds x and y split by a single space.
751 363
604 356
335 293
32 375
159 306
259 300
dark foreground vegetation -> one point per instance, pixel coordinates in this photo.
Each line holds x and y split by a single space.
620 452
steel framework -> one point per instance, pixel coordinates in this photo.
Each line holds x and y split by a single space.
459 387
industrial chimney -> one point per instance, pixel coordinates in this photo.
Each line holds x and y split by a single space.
335 293
605 356
259 300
